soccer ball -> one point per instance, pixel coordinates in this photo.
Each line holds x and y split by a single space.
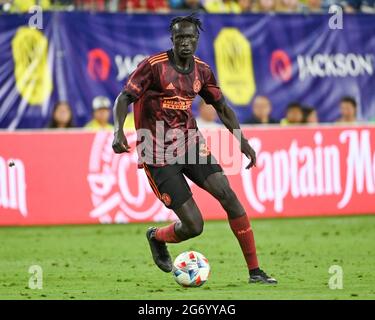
191 269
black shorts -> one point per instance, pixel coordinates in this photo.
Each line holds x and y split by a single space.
169 183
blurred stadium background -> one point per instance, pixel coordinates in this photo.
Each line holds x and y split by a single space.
302 85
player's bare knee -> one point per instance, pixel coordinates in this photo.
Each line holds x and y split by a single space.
219 187
226 194
196 229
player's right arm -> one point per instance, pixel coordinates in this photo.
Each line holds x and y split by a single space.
120 111
138 83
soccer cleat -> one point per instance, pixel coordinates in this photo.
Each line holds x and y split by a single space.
259 275
159 251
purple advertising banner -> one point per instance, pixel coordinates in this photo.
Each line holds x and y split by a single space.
77 56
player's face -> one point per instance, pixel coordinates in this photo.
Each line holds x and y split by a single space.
185 39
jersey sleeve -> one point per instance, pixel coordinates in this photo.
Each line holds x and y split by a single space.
210 91
140 80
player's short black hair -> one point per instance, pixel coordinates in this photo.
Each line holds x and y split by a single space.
190 18
350 100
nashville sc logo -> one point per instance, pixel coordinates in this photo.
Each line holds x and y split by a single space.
120 192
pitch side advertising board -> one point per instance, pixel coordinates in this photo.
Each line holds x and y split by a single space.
76 178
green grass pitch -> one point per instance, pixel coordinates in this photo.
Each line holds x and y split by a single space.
114 262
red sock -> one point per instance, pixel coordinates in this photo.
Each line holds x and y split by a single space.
242 230
167 234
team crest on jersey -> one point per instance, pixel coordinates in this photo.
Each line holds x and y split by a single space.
170 86
166 199
197 86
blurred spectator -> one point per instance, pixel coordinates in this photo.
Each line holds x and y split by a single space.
222 6
5 5
93 5
264 6
101 114
62 116
294 114
25 5
348 110
245 5
144 5
288 6
310 115
68 5
313 6
326 4
175 4
207 116
352 6
262 108
192 5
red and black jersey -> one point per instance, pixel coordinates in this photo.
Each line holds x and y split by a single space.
164 93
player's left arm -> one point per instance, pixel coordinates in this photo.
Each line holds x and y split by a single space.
229 119
212 94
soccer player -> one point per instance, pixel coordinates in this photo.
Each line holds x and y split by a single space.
162 88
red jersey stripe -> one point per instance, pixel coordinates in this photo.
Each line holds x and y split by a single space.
157 61
201 62
163 55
